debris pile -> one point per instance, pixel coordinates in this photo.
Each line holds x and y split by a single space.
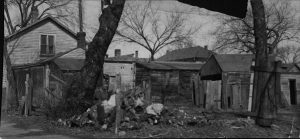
136 112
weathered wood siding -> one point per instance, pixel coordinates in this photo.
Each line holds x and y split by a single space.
213 95
141 74
285 86
27 47
126 70
236 90
199 90
159 88
185 87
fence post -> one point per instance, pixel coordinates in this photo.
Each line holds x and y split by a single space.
118 102
26 94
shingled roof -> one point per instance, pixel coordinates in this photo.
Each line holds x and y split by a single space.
186 53
234 62
159 65
69 63
126 58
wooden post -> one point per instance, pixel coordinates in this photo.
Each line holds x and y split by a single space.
26 95
118 103
250 92
47 73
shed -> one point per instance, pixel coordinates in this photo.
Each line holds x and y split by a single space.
171 82
290 83
190 54
228 81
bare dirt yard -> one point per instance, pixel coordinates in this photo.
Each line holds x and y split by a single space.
185 122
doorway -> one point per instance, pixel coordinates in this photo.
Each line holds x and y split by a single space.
194 93
293 92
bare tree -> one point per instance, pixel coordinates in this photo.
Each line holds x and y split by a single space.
289 54
92 71
145 26
238 34
27 8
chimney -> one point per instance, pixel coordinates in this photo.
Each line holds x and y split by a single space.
136 54
117 52
34 14
205 47
81 40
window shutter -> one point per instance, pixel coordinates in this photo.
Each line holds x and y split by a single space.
51 44
43 44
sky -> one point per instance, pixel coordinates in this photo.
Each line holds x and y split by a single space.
208 20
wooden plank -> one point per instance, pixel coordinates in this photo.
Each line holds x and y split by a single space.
118 104
58 79
26 95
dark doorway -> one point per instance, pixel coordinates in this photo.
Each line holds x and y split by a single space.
293 92
229 102
194 93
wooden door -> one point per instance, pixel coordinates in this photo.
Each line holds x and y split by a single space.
236 99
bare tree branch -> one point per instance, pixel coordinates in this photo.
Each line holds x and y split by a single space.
235 33
145 26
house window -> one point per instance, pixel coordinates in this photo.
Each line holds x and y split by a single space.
47 45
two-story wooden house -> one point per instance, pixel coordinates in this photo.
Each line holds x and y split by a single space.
32 48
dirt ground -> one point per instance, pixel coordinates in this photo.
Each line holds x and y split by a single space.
221 125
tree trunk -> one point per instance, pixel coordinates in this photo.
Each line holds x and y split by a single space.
93 66
152 56
264 85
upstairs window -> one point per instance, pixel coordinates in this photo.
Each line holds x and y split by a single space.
47 45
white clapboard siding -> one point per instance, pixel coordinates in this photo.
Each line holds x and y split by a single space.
27 46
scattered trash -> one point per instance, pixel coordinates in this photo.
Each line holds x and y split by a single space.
122 133
136 112
155 109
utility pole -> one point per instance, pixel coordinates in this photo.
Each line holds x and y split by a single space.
80 34
80 15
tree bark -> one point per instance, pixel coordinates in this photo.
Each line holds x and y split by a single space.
92 71
264 83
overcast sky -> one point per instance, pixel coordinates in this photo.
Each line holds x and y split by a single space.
197 16
208 20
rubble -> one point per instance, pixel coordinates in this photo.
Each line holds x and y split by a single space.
135 112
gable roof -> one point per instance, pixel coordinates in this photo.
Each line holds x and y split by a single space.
186 53
125 58
235 62
290 67
69 63
39 23
159 65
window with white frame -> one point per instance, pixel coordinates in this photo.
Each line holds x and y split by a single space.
47 45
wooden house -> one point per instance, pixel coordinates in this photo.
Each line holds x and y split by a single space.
123 65
228 81
290 83
169 81
32 48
